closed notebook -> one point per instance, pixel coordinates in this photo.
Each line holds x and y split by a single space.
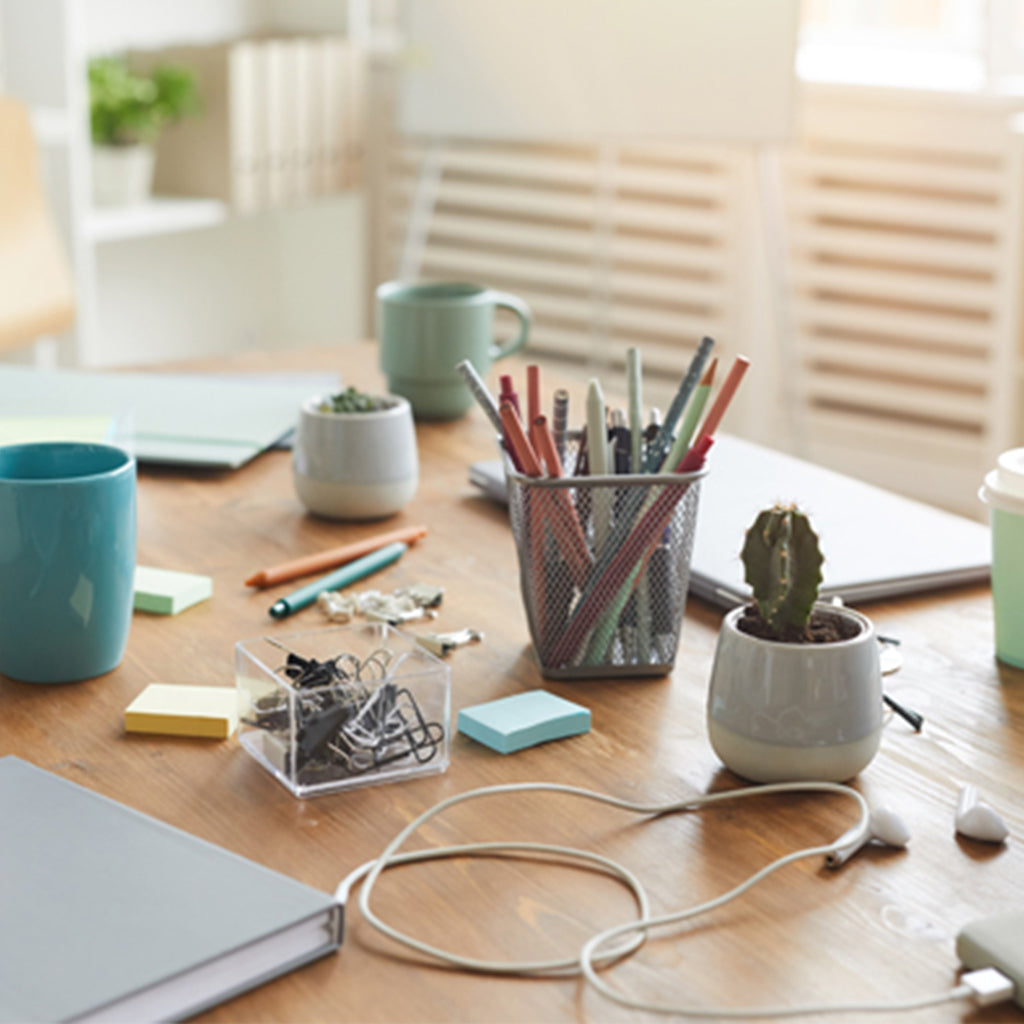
110 915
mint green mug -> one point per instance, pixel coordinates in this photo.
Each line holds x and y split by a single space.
427 329
1003 492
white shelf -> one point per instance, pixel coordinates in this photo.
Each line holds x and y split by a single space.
178 277
159 216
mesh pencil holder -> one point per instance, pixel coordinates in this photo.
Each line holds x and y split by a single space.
604 568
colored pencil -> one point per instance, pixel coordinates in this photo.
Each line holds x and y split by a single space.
483 397
570 539
631 553
693 413
661 444
332 557
725 396
516 437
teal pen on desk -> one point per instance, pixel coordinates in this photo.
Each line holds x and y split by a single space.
350 573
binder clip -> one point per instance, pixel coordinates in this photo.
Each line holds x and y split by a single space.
442 644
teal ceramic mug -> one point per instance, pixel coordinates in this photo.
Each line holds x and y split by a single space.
67 559
426 330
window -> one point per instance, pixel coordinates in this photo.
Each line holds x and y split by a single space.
966 45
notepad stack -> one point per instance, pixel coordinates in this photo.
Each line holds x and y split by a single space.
280 122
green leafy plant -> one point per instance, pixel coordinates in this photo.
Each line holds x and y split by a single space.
128 107
352 400
783 566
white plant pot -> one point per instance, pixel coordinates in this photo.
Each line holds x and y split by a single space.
355 465
122 175
781 711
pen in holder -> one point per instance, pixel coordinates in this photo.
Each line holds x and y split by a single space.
604 568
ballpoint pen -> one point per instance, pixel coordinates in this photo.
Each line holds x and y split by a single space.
600 462
622 455
532 401
560 421
634 387
342 577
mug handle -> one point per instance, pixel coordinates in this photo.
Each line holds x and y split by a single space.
504 300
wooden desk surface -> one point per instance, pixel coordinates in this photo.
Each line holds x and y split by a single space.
882 928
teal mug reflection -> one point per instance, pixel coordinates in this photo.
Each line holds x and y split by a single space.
67 559
427 329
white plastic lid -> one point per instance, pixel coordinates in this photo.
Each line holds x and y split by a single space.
1004 485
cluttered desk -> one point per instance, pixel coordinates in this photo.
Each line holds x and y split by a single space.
883 929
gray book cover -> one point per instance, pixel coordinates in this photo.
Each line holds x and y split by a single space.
105 911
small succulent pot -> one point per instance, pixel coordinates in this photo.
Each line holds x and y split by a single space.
355 465
782 711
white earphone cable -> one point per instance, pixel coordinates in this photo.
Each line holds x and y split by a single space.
633 933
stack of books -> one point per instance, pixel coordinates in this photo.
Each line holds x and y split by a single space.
281 122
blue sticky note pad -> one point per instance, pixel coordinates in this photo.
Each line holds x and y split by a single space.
523 720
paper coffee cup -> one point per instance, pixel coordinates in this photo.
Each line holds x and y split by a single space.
1003 492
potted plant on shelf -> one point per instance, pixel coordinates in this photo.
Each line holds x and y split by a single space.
355 455
796 685
127 111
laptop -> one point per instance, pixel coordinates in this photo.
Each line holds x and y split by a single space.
876 544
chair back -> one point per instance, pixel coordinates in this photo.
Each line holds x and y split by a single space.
36 292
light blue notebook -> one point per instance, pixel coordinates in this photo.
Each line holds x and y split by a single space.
220 421
109 915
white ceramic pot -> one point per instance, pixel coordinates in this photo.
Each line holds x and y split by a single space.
780 711
122 175
355 465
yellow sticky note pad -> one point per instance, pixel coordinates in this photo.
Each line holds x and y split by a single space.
178 710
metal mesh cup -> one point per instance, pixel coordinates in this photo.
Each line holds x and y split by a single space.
604 568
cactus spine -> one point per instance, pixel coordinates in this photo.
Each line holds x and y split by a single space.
783 566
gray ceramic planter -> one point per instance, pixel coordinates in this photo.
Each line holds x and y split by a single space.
780 711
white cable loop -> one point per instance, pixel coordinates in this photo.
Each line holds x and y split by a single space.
635 932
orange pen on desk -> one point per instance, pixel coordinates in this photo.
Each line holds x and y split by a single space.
333 557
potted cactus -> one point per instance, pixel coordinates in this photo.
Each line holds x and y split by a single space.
796 687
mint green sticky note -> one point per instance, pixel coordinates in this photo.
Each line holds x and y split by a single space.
523 720
167 592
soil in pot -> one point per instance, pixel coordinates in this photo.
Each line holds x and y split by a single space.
823 627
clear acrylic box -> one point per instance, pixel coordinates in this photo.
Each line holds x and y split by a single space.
336 708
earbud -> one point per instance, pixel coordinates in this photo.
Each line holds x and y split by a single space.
884 826
977 820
